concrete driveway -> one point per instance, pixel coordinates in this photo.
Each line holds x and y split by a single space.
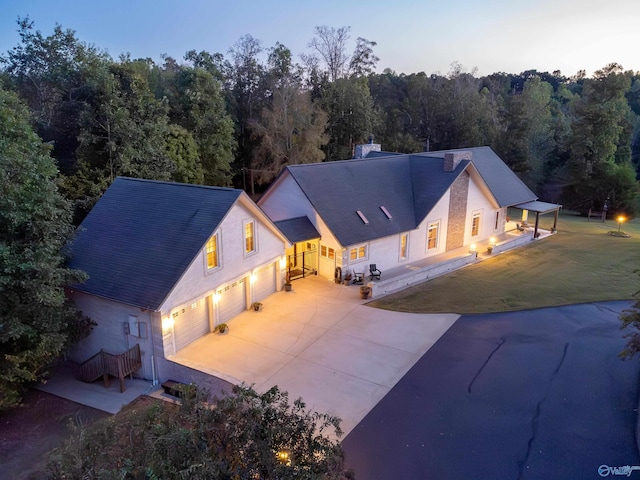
538 394
319 342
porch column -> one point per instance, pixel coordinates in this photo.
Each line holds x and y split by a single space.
535 228
555 220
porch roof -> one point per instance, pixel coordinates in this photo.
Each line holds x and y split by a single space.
539 207
298 229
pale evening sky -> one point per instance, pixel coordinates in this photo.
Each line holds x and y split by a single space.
492 35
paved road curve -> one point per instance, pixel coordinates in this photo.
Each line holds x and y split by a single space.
523 395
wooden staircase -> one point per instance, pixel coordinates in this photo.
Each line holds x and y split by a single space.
106 365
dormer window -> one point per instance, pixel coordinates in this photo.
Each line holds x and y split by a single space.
385 211
362 217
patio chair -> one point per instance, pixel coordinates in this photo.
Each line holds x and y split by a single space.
374 272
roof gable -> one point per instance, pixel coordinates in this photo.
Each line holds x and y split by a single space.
141 236
407 185
338 190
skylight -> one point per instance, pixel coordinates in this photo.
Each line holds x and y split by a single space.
385 211
362 217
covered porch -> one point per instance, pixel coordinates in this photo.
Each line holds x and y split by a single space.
539 208
302 256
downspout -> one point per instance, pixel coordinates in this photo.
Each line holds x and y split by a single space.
154 373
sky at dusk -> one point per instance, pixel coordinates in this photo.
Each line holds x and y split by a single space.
412 36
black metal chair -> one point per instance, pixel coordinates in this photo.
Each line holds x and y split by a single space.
374 272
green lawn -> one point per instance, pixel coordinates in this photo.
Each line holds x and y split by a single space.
581 263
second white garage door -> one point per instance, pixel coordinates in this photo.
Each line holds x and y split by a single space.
265 283
232 301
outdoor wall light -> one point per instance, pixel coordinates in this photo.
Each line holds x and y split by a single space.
283 262
216 298
167 324
253 278
492 241
473 248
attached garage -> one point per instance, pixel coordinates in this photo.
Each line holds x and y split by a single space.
190 323
265 283
232 300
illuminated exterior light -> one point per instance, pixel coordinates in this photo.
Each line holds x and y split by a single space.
473 248
216 298
167 324
283 262
621 220
253 278
283 457
492 241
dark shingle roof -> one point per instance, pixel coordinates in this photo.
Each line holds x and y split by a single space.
407 185
505 185
142 235
298 229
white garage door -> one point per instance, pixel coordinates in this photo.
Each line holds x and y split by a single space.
265 283
232 301
191 323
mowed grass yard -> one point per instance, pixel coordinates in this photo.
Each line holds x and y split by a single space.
580 264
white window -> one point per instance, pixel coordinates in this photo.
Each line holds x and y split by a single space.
358 253
212 253
249 237
432 235
475 224
404 246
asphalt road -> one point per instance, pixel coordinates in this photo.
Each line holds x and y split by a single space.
538 394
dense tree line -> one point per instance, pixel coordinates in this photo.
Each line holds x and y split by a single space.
238 120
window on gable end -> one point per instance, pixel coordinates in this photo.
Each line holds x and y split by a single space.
212 253
249 237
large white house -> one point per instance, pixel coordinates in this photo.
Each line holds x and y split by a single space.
167 262
391 209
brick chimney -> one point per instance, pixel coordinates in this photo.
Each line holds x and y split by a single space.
452 160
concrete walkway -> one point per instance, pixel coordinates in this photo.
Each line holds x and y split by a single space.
319 342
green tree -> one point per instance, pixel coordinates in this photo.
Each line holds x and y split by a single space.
600 143
123 131
35 223
291 127
50 75
196 103
352 117
243 435
183 152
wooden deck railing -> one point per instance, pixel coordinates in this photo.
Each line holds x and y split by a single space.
106 365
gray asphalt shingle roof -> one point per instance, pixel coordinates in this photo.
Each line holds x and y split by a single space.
141 236
407 185
298 229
